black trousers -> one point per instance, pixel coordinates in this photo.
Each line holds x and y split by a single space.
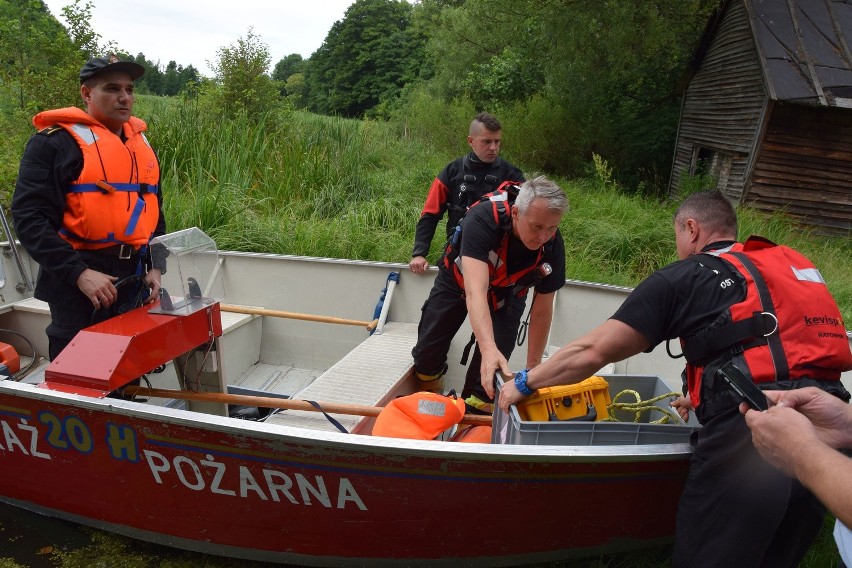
738 510
442 315
75 312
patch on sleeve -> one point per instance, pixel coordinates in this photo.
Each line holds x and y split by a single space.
49 130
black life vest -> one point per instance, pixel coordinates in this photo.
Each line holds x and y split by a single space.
472 186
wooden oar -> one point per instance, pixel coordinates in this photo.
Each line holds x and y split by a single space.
286 403
370 325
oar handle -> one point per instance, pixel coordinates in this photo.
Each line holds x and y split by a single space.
370 325
285 403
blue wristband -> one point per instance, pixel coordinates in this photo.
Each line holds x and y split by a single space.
521 383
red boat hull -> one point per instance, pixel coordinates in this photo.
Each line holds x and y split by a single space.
273 493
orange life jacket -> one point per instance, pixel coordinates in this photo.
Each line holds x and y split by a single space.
787 327
114 200
419 416
479 434
502 284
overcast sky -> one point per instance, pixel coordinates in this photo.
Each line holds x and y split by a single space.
190 32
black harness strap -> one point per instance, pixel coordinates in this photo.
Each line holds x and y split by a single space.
466 352
701 348
760 329
776 349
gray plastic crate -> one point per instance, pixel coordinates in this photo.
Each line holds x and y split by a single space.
510 429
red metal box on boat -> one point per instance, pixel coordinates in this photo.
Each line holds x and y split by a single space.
586 400
637 428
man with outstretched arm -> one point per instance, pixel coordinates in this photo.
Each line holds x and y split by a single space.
727 302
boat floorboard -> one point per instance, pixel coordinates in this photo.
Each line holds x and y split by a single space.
278 379
356 379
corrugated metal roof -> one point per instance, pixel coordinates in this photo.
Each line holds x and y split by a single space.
803 45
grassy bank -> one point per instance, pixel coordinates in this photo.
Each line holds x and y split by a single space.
297 183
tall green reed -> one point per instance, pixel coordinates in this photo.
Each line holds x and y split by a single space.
297 183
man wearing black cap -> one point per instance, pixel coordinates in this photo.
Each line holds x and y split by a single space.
87 202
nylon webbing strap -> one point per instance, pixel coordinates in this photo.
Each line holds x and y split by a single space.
776 349
466 351
336 424
706 345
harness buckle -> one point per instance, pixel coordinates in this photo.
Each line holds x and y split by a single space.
125 252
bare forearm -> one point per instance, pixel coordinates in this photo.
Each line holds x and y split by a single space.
571 364
609 342
828 474
480 321
541 319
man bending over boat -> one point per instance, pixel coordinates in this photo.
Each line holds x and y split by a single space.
87 202
766 309
502 249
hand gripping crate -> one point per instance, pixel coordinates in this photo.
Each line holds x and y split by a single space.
513 428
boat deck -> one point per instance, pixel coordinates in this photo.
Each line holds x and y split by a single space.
356 379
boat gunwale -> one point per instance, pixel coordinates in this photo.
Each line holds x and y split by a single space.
337 440
395 265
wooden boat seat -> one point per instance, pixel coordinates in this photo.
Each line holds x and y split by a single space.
356 379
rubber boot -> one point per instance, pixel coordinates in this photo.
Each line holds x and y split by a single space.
476 405
431 383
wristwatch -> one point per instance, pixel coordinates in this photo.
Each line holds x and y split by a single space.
521 383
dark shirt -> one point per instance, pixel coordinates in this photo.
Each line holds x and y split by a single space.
682 298
480 234
451 191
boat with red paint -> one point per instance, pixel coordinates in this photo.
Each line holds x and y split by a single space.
188 469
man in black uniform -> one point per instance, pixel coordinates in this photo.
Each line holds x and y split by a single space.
461 183
87 203
728 302
504 250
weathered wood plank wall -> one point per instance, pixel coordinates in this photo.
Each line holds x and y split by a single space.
804 165
723 103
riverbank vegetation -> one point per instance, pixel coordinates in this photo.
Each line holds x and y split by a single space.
297 183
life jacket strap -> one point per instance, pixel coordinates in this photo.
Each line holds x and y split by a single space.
141 188
752 332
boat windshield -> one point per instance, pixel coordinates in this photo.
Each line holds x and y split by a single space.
191 264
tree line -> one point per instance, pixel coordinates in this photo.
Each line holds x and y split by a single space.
568 78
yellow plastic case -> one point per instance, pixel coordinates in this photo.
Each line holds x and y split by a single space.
583 401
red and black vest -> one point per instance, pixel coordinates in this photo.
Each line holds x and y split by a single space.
114 200
502 284
788 326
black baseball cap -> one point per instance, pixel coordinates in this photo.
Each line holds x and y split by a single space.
101 64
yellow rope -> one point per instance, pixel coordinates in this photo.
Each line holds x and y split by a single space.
641 406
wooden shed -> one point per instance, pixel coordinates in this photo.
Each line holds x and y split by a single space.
767 109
